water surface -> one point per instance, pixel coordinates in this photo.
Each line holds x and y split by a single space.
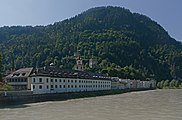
147 105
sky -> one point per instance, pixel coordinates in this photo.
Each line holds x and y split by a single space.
43 12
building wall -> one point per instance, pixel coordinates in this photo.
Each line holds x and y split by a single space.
29 83
117 85
41 85
17 83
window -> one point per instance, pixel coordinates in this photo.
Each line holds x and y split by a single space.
60 80
68 80
64 81
60 86
71 81
56 86
64 86
71 86
47 86
51 80
34 80
23 74
47 80
75 81
55 80
40 86
75 86
51 86
68 86
33 86
40 80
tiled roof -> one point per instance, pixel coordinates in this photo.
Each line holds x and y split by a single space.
54 72
23 72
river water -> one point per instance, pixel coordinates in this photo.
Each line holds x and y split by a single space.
146 105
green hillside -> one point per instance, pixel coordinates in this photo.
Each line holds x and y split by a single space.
128 45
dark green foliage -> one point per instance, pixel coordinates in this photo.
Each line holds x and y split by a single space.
166 84
128 45
171 84
5 87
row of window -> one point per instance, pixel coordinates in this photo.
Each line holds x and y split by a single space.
73 86
17 80
71 81
19 87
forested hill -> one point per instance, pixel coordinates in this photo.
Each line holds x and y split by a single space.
128 45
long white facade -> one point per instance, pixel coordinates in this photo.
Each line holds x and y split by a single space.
42 85
51 80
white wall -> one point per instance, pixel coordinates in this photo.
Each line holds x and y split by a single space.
59 85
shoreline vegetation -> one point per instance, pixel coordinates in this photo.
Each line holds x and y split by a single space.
5 87
169 84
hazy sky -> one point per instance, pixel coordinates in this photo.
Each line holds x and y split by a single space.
42 12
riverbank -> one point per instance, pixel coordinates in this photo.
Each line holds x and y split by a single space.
25 99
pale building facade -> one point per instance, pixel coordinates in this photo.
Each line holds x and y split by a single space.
92 63
52 80
41 85
79 64
20 80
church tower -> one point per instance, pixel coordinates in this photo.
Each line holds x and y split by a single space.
79 63
92 62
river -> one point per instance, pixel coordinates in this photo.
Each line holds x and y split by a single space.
146 105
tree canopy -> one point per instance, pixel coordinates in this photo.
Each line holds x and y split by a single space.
128 45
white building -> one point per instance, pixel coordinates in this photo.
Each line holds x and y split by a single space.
51 80
20 80
118 83
92 63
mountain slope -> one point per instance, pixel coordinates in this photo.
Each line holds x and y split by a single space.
126 44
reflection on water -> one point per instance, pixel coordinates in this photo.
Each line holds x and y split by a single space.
148 105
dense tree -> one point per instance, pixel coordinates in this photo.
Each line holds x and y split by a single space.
171 84
166 84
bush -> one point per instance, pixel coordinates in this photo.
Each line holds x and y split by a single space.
5 87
